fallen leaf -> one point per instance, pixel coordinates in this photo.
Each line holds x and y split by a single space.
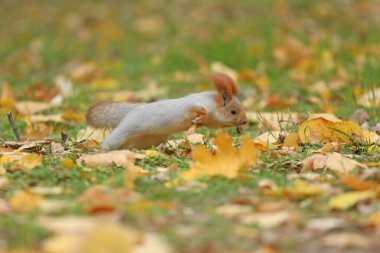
37 131
84 72
92 134
46 118
328 147
314 162
25 201
291 140
98 199
302 190
226 162
119 157
370 138
268 220
271 137
341 164
321 130
56 147
274 121
152 243
325 116
325 224
348 199
375 219
234 210
30 107
346 240
68 163
88 145
354 183
370 99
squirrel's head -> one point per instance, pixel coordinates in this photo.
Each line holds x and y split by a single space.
230 110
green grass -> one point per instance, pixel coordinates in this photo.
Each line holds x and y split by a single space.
40 39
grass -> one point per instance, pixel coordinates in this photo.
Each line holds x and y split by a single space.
173 42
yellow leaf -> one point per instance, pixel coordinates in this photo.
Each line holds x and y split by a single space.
292 140
29 161
325 116
301 190
375 219
227 161
322 130
105 83
370 137
68 163
93 134
24 201
349 199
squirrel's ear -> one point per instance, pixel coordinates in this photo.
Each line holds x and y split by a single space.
225 86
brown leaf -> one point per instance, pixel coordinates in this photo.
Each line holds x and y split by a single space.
30 107
119 157
314 162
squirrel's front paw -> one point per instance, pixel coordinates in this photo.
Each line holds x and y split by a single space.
200 115
105 147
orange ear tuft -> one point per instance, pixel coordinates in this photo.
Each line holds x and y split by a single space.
224 83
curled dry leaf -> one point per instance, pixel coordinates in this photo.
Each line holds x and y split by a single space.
227 161
118 157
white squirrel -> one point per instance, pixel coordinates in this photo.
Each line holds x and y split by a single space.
139 125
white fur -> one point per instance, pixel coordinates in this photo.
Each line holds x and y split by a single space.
151 124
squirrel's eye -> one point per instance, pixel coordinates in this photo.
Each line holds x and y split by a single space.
234 111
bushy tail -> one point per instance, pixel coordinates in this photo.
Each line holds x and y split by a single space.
107 114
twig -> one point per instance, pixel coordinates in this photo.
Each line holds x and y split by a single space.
14 128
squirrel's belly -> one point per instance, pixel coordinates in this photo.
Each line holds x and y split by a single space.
144 141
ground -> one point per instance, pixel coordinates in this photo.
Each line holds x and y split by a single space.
289 57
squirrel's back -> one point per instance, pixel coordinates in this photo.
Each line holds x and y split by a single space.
107 114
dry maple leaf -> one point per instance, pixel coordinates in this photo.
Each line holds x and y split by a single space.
227 161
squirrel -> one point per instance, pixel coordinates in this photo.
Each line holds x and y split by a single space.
143 125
